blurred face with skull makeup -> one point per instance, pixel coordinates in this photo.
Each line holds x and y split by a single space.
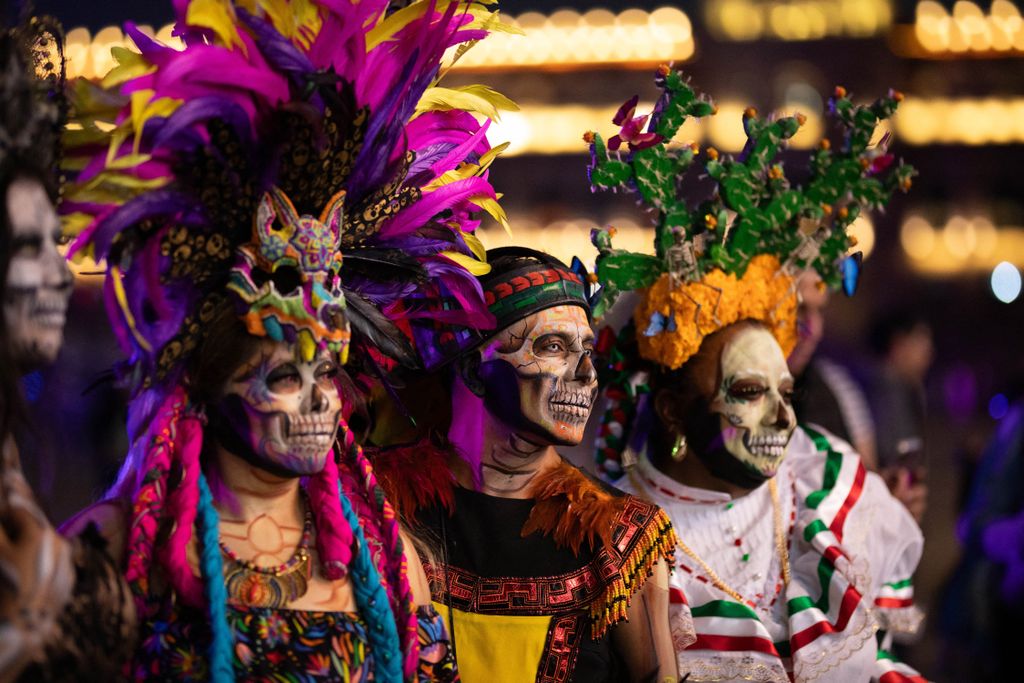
38 282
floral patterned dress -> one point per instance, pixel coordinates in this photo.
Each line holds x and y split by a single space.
271 644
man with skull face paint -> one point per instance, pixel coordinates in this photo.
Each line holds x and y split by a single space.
543 573
64 610
791 556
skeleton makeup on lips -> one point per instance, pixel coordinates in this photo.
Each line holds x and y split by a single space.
539 377
282 412
744 435
38 280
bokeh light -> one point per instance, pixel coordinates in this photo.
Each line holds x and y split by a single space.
1006 282
998 406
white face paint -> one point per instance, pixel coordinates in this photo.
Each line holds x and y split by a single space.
540 376
754 401
289 409
38 280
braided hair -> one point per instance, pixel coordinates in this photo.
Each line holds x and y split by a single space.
163 479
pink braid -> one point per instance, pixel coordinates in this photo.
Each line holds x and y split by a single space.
333 535
182 504
148 495
395 569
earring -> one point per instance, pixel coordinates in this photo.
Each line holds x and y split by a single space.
679 448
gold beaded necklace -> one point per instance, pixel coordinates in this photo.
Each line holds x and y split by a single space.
781 545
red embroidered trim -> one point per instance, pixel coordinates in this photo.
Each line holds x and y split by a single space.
561 649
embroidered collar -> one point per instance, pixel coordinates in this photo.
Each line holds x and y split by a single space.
569 506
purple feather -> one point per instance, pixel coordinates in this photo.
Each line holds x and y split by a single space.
280 52
433 203
156 203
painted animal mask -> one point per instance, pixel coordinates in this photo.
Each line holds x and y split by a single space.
289 276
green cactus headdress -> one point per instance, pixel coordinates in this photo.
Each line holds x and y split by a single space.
739 253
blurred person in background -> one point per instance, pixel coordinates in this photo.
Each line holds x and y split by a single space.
903 346
63 609
826 392
984 598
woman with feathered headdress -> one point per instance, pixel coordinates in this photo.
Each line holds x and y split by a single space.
224 185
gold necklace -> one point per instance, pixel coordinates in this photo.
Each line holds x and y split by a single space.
781 546
274 587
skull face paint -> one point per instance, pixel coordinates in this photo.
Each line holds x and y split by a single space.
284 411
753 402
539 377
38 280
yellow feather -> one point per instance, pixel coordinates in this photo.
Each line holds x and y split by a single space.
471 264
122 301
492 207
130 64
490 155
73 224
387 29
476 99
299 20
219 17
144 109
475 245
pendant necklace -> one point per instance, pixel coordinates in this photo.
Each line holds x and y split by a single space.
274 587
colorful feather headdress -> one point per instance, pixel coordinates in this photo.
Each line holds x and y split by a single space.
285 139
737 255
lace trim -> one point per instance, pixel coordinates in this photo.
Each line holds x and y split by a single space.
684 634
825 654
729 667
900 619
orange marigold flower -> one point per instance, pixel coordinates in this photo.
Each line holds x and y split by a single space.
712 154
664 69
825 144
763 293
801 118
840 91
749 113
588 137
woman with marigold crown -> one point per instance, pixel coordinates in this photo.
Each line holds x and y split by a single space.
542 572
791 557
223 184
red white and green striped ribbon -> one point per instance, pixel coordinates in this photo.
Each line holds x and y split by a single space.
823 607
812 616
892 670
895 595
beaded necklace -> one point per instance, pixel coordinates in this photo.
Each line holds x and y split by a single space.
781 545
275 587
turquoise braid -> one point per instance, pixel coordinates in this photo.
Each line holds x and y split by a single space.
373 603
212 568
